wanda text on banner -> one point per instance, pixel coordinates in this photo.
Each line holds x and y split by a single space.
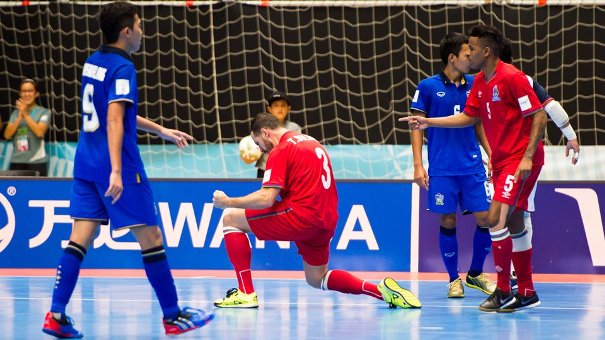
373 232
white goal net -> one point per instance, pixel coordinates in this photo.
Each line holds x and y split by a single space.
348 67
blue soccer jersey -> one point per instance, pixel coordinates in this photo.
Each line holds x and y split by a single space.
451 152
108 76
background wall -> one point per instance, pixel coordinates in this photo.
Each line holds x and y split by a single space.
350 69
350 72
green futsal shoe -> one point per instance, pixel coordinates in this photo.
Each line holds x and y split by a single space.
237 299
396 296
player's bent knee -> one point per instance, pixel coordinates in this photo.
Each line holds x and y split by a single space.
481 219
448 220
148 237
236 218
493 220
233 214
229 217
84 231
314 282
483 223
315 277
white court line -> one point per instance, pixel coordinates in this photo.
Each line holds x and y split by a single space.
268 278
269 303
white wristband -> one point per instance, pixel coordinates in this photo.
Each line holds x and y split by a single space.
569 132
558 115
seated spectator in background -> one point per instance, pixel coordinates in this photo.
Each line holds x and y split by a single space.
279 106
27 126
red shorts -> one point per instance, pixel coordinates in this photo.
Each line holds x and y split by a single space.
282 223
514 194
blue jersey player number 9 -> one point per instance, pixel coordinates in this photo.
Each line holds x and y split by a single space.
90 117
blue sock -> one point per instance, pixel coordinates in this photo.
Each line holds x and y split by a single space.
68 271
160 277
482 245
448 244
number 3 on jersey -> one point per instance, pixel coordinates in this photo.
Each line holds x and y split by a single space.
89 114
326 179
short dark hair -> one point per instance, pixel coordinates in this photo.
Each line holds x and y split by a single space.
30 81
506 54
490 35
263 120
451 44
114 17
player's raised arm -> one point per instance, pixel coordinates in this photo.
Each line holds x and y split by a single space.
177 137
454 121
260 199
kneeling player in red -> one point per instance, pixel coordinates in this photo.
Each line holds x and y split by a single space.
300 172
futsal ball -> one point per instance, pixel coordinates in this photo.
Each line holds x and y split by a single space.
249 152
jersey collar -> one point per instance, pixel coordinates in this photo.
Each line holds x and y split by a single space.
111 49
446 80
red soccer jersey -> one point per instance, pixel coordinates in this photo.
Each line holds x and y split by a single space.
300 166
506 104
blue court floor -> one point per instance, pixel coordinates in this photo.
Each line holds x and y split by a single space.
125 308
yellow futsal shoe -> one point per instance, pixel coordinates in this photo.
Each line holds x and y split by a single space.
455 289
396 296
481 282
237 299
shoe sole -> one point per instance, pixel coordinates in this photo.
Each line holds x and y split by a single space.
469 285
393 288
59 335
511 310
508 303
242 305
485 310
455 296
207 321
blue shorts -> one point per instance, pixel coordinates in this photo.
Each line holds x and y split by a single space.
134 208
470 192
